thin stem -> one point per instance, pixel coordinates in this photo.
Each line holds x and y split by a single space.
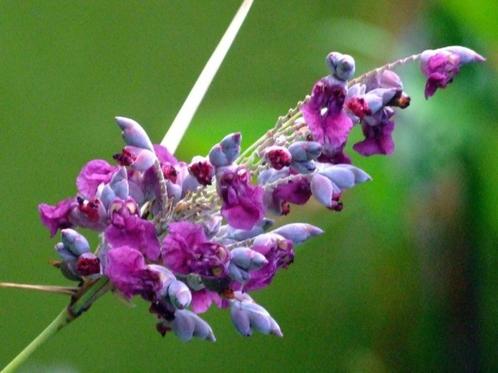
43 288
58 323
389 66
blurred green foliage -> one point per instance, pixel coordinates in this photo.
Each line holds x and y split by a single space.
404 279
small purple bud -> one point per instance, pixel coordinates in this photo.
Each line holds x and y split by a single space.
377 98
238 274
243 234
64 253
133 133
224 153
231 146
187 325
74 242
179 294
341 65
344 176
106 194
303 151
304 167
137 158
466 55
247 259
278 157
119 183
202 170
88 264
323 189
217 157
248 316
298 232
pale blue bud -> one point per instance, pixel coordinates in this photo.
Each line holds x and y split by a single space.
298 232
74 242
247 259
187 325
238 274
224 153
248 316
105 194
179 294
304 167
323 189
303 151
343 175
341 65
133 133
119 183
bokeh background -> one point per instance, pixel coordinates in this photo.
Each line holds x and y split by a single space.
405 279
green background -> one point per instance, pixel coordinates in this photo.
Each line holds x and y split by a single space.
405 279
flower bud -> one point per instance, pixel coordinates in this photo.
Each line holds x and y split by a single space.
224 153
133 133
303 151
341 65
137 158
248 316
238 274
278 157
187 325
247 259
304 167
377 98
323 189
74 242
119 183
298 232
64 253
344 176
106 194
179 294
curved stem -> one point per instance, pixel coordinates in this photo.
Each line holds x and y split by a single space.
58 323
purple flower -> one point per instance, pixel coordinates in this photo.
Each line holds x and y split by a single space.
56 217
328 122
92 175
164 155
203 299
278 251
127 270
186 249
440 66
296 191
128 229
242 202
378 134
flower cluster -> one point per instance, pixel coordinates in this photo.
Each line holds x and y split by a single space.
184 236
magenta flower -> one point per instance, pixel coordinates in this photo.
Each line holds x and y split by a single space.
296 191
242 202
56 217
186 249
93 174
128 229
378 135
203 299
440 66
324 113
278 251
127 270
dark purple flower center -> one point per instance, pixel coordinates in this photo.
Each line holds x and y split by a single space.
87 266
279 158
89 207
203 171
125 158
358 106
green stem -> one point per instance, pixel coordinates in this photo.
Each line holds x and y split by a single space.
58 323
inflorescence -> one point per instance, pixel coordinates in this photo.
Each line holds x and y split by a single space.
184 236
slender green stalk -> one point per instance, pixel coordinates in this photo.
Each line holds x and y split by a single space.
58 323
81 302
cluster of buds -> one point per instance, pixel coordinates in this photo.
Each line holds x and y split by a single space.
186 236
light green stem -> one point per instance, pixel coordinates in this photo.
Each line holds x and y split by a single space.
58 323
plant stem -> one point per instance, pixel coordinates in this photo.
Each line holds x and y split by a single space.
58 323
